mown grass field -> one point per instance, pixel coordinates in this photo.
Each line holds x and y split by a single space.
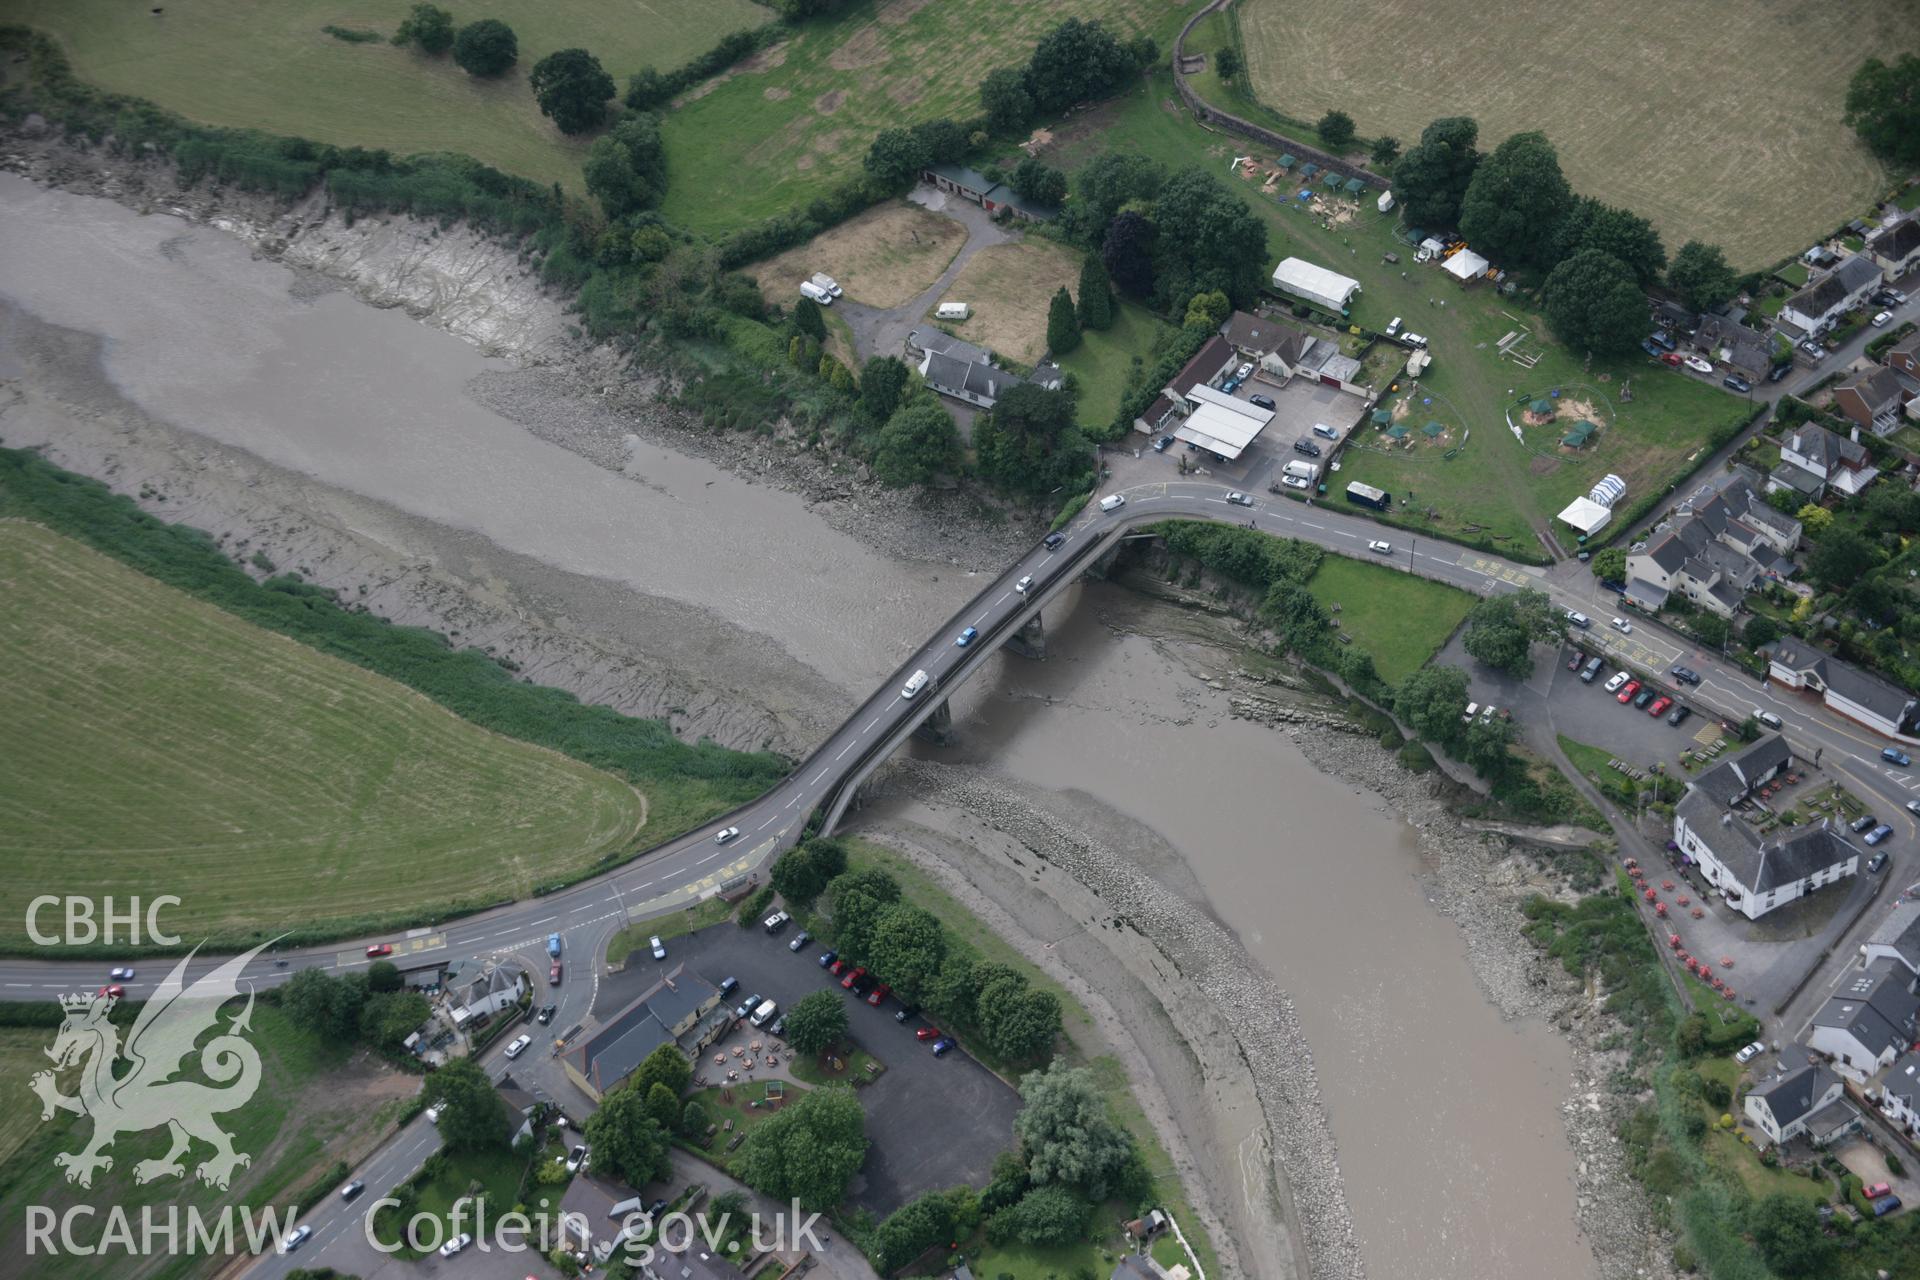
1720 124
22 1053
1009 287
1105 360
1400 619
1496 487
161 745
235 62
883 257
777 134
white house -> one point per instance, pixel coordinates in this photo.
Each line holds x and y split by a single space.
479 995
1834 459
1846 689
1755 873
1871 1021
1900 1091
1785 1105
1315 284
1819 306
1717 547
1897 937
1895 248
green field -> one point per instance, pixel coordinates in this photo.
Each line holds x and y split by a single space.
177 749
783 129
271 67
1495 487
1399 619
317 1102
1104 360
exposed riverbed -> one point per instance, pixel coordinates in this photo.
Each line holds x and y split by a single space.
388 459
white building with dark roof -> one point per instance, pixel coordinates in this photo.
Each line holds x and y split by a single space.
668 1010
1829 458
1784 1105
1899 1093
1869 1022
1895 248
1897 937
1718 826
1721 543
1820 305
1847 690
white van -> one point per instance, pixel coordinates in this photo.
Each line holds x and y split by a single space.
1305 470
915 683
1473 709
808 289
952 311
827 282
1113 502
764 1014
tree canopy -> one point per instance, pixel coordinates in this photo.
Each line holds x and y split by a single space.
1096 294
572 89
1210 240
1385 150
918 443
1039 182
1787 1231
1594 304
627 1139
1336 130
817 1021
626 170
427 27
1501 629
486 48
908 947
896 157
1883 107
808 1151
1029 443
666 1066
1515 200
1075 61
1067 1133
1431 700
1700 275
1626 235
474 1118
1839 558
1005 100
1226 62
1610 564
1127 253
1063 323
1432 177
883 381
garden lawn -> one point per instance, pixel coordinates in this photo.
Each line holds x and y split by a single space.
1399 619
797 119
727 1104
271 67
882 258
634 937
1495 489
1108 361
497 1170
177 749
1009 287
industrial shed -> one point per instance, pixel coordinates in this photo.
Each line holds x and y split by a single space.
1315 284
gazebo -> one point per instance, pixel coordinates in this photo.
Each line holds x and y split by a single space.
1433 430
1355 186
1330 180
1287 162
1383 417
1541 408
1582 433
1397 433
1307 171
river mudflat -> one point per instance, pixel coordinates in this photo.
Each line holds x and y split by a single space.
380 455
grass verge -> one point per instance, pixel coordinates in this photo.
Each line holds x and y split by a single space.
1399 619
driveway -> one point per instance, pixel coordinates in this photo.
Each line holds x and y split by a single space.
879 332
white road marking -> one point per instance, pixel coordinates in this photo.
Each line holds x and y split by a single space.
1311 525
876 720
844 750
819 775
548 920
769 822
1342 533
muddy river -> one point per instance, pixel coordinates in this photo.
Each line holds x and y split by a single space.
1446 1118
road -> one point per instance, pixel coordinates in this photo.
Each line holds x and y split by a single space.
696 865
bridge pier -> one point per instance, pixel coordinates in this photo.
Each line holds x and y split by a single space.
1029 641
938 727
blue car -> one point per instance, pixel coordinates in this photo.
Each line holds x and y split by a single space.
942 1047
1894 756
828 957
553 945
1651 347
967 637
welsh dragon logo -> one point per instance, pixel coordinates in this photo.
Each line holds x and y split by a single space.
132 1088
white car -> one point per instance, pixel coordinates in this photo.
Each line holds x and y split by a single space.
1239 499
1384 548
1698 365
455 1245
519 1046
576 1158
1749 1053
1882 320
433 1112
1244 372
1619 678
1294 482
659 947
1024 585
1621 625
1393 326
1414 340
729 833
1913 807
122 974
295 1238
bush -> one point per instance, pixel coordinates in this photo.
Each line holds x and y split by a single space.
486 48
754 909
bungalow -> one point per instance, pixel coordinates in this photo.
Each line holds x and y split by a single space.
1900 1091
1162 416
1873 400
1895 248
1833 459
1872 1021
666 1011
1755 873
1846 689
995 197
1905 355
1275 347
1819 306
1214 359
921 341
476 994
1782 1105
975 381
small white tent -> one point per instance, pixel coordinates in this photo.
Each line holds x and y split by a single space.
1385 202
1466 266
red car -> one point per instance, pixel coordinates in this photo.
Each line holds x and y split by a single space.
928 1033
837 968
1659 707
1577 661
115 990
879 993
1672 358
553 975
1627 691
847 982
379 949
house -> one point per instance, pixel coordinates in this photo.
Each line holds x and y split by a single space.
1734 344
1719 545
1900 1091
1782 1105
1277 348
1897 938
1819 306
1846 689
978 382
1873 400
666 1011
995 197
1833 459
1315 284
922 341
1138 1266
1895 248
1755 872
1871 1021
520 1102
476 992
1904 355
1209 363
1160 417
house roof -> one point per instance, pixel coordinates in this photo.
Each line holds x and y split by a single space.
1209 360
1670 551
954 374
1797 478
1649 595
1880 387
1857 272
1836 1115
1829 291
1903 1079
1156 414
1874 1007
1901 931
945 343
1133 1266
961 176
611 1053
1908 346
1862 688
1896 241
1262 336
1826 449
1793 1094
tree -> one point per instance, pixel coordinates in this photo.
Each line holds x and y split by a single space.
572 89
1075 61
383 975
626 1139
667 1065
694 1118
883 380
817 1022
1883 107
936 1218
945 140
664 1106
486 48
627 169
1610 565
1483 745
1005 100
1096 294
871 881
1813 518
1626 235
324 1005
1760 630
1515 201
1063 324
1045 1216
1501 629
1431 700
389 1017
1432 177
830 856
1712 629
1385 150
1029 443
808 320
1595 305
895 158
1106 185
1336 130
1127 253
1016 1022
650 244
1839 558
427 27
472 1118
1207 311
918 443
808 1151
1700 275
796 878
1226 62
1039 182
1213 240
908 946
953 991
1787 1232
1067 1133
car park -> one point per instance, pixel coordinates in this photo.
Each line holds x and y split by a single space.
1616 680
725 834
942 1047
379 949
658 947
545 1016
1734 382
879 994
1024 585
519 1046
1877 863
1307 447
352 1189
747 1006
1766 718
1882 319
1698 365
1686 675
1265 402
1239 499
455 1245
1578 619
1113 502
1294 482
1878 834
553 974
1659 706
800 941
1749 1053
1893 755
1621 625
1627 691
1160 445
966 637
122 974
1680 713
828 957
1380 548
1053 541
1865 822
295 1238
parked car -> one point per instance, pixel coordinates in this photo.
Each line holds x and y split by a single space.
1615 681
1646 695
1577 661
1244 372
1671 358
904 1012
1686 675
1239 499
879 994
1414 340
1294 482
1053 540
828 957
1393 326
1874 1190
1113 502
519 1046
1865 822
1882 319
553 974
1913 807
1265 402
1780 371
1878 834
1893 755
1659 706
1664 340
1380 548
1591 671
778 1026
1877 863
800 941
658 947
1578 619
576 1158
1749 1053
929 1033
1627 691
1680 713
1307 447
545 1016
728 986
942 1047
966 637
725 834
1160 445
1885 1205
837 967
776 922
379 949
1322 429
859 972
747 1006
1734 382
296 1238
455 1245
1651 347
1698 365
